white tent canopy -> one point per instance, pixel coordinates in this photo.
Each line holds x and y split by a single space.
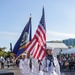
68 51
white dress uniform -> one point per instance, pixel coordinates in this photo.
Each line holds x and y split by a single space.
36 67
24 66
54 69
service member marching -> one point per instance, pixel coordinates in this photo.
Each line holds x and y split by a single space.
24 65
36 64
50 65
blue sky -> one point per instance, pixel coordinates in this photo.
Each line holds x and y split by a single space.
14 14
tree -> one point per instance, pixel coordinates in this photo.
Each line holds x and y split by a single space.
8 54
2 49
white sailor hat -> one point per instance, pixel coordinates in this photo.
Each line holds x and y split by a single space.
24 54
49 48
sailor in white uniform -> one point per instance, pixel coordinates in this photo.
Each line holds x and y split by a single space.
24 65
50 65
35 63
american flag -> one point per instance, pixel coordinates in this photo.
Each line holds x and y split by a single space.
37 46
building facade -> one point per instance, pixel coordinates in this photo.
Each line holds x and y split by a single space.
69 42
58 47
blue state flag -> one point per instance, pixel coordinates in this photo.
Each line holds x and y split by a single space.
23 40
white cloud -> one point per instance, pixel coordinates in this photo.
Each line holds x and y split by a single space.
8 35
53 35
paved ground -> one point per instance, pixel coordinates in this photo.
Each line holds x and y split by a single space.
17 72
13 69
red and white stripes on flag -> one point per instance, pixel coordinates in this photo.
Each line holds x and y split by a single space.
39 52
37 46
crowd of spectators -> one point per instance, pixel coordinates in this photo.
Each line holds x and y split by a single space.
66 61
